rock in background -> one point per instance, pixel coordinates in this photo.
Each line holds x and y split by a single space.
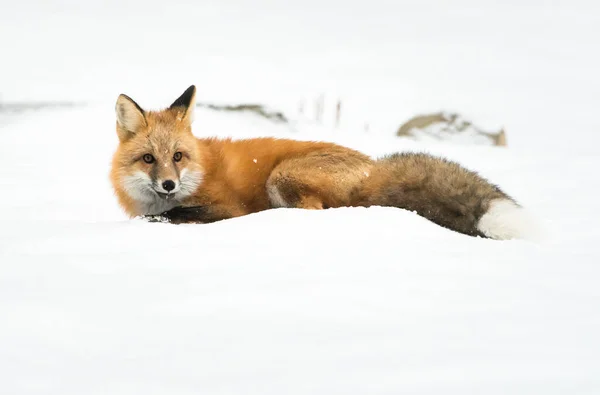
449 127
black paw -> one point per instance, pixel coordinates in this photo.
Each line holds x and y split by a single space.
184 215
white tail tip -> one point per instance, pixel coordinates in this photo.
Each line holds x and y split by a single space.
505 220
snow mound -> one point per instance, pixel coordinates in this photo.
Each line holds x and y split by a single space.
349 300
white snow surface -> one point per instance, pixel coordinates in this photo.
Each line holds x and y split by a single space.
341 301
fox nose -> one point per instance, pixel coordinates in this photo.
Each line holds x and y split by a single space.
168 185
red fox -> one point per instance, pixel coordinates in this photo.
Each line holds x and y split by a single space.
161 171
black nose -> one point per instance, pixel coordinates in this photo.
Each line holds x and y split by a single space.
168 185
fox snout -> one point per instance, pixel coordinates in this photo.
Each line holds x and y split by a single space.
167 186
144 187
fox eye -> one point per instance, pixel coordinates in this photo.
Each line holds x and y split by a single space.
177 156
148 158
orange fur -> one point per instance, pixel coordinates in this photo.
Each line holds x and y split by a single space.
235 174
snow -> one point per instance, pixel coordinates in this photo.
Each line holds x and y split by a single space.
287 301
357 300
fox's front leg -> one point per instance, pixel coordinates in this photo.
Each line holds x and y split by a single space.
194 214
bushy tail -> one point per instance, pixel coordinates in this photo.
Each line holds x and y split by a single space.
447 194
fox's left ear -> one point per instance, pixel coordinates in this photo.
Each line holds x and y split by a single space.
185 104
130 117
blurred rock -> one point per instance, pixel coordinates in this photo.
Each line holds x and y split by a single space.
257 109
449 127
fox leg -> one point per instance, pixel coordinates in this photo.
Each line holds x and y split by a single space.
193 214
317 181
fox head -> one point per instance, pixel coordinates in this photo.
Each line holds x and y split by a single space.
156 164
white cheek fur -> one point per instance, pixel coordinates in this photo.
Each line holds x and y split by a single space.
139 187
189 181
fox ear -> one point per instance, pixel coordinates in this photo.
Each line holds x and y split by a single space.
130 117
185 104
